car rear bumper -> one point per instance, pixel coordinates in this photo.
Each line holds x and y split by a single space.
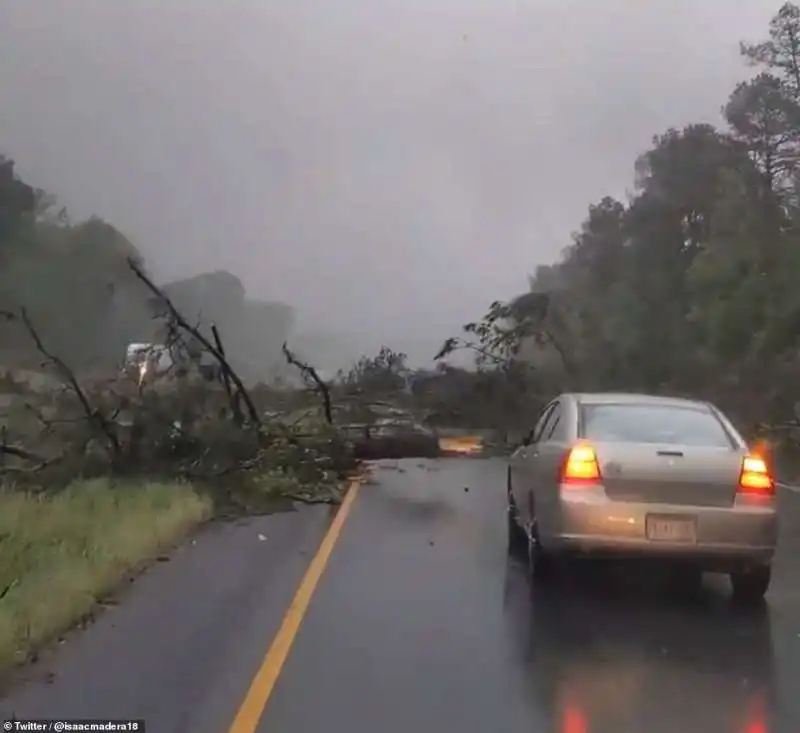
589 523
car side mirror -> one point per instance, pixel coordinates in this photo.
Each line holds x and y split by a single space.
527 439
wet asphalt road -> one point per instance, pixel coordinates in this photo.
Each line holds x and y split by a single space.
421 622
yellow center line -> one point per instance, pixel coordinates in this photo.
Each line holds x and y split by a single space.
252 707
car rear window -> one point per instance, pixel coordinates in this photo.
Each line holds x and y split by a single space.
668 424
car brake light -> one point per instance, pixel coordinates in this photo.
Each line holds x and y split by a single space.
755 477
580 466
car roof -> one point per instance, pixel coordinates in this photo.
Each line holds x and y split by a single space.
633 398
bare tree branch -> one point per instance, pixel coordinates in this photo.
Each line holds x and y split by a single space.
14 450
195 332
309 371
108 429
233 397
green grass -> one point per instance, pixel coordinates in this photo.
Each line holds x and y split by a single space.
59 555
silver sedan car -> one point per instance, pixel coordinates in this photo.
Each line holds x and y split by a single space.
638 476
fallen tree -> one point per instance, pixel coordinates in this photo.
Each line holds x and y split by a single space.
180 426
371 407
216 433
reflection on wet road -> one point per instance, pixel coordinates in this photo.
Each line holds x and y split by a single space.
609 654
423 623
420 622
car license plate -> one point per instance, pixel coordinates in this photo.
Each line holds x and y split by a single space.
664 529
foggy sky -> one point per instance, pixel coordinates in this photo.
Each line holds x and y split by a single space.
389 167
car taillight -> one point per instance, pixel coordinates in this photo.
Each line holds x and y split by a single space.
755 477
580 466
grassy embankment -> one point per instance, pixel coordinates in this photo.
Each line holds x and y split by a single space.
60 554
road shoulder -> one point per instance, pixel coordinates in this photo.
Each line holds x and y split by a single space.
187 637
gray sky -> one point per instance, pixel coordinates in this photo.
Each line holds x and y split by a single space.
387 166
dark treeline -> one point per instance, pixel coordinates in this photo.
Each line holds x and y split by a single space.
74 281
692 285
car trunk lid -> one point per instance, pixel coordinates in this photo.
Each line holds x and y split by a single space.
669 474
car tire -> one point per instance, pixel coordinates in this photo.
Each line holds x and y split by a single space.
517 539
751 584
541 564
